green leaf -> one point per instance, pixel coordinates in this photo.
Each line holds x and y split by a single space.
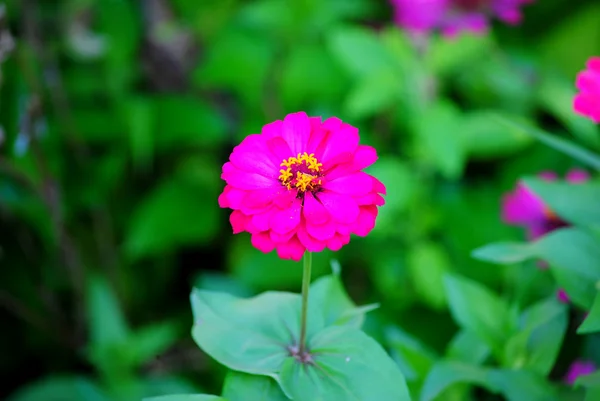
348 365
359 51
477 309
439 140
484 139
106 323
574 258
67 388
150 341
504 252
243 387
557 143
591 324
447 56
522 385
186 397
468 348
162 221
414 358
575 203
541 332
427 263
139 116
446 373
592 380
372 94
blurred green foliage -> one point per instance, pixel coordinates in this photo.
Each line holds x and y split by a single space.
116 116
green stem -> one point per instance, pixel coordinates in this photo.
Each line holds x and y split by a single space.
305 286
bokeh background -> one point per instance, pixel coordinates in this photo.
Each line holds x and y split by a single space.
117 115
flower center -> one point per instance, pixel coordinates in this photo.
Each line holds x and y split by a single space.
302 172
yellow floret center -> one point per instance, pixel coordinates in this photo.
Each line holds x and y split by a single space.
302 172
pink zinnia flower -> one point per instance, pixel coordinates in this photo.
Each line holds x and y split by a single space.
524 208
453 16
298 186
587 102
577 369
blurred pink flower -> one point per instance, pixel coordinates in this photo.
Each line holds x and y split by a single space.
454 16
298 186
524 208
577 369
562 296
587 101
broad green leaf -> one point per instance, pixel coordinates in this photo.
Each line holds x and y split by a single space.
592 380
504 252
557 143
522 385
148 342
244 387
414 358
478 310
439 141
592 394
186 397
359 51
446 373
468 348
68 388
427 263
541 331
348 365
255 335
591 324
575 203
574 258
139 117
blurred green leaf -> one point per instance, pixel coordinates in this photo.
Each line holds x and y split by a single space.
468 348
165 218
150 341
445 373
372 94
242 387
439 139
359 51
541 331
478 310
447 56
556 95
485 139
591 324
574 258
504 252
522 385
575 151
428 263
414 358
67 388
140 120
348 365
575 203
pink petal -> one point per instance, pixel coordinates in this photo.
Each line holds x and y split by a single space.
233 197
378 186
286 220
522 207
260 198
336 243
322 232
262 242
255 162
341 207
296 131
311 243
261 220
317 136
364 157
314 211
293 249
245 180
366 220
286 198
280 148
356 184
594 64
272 130
238 221
223 201
339 145
281 238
